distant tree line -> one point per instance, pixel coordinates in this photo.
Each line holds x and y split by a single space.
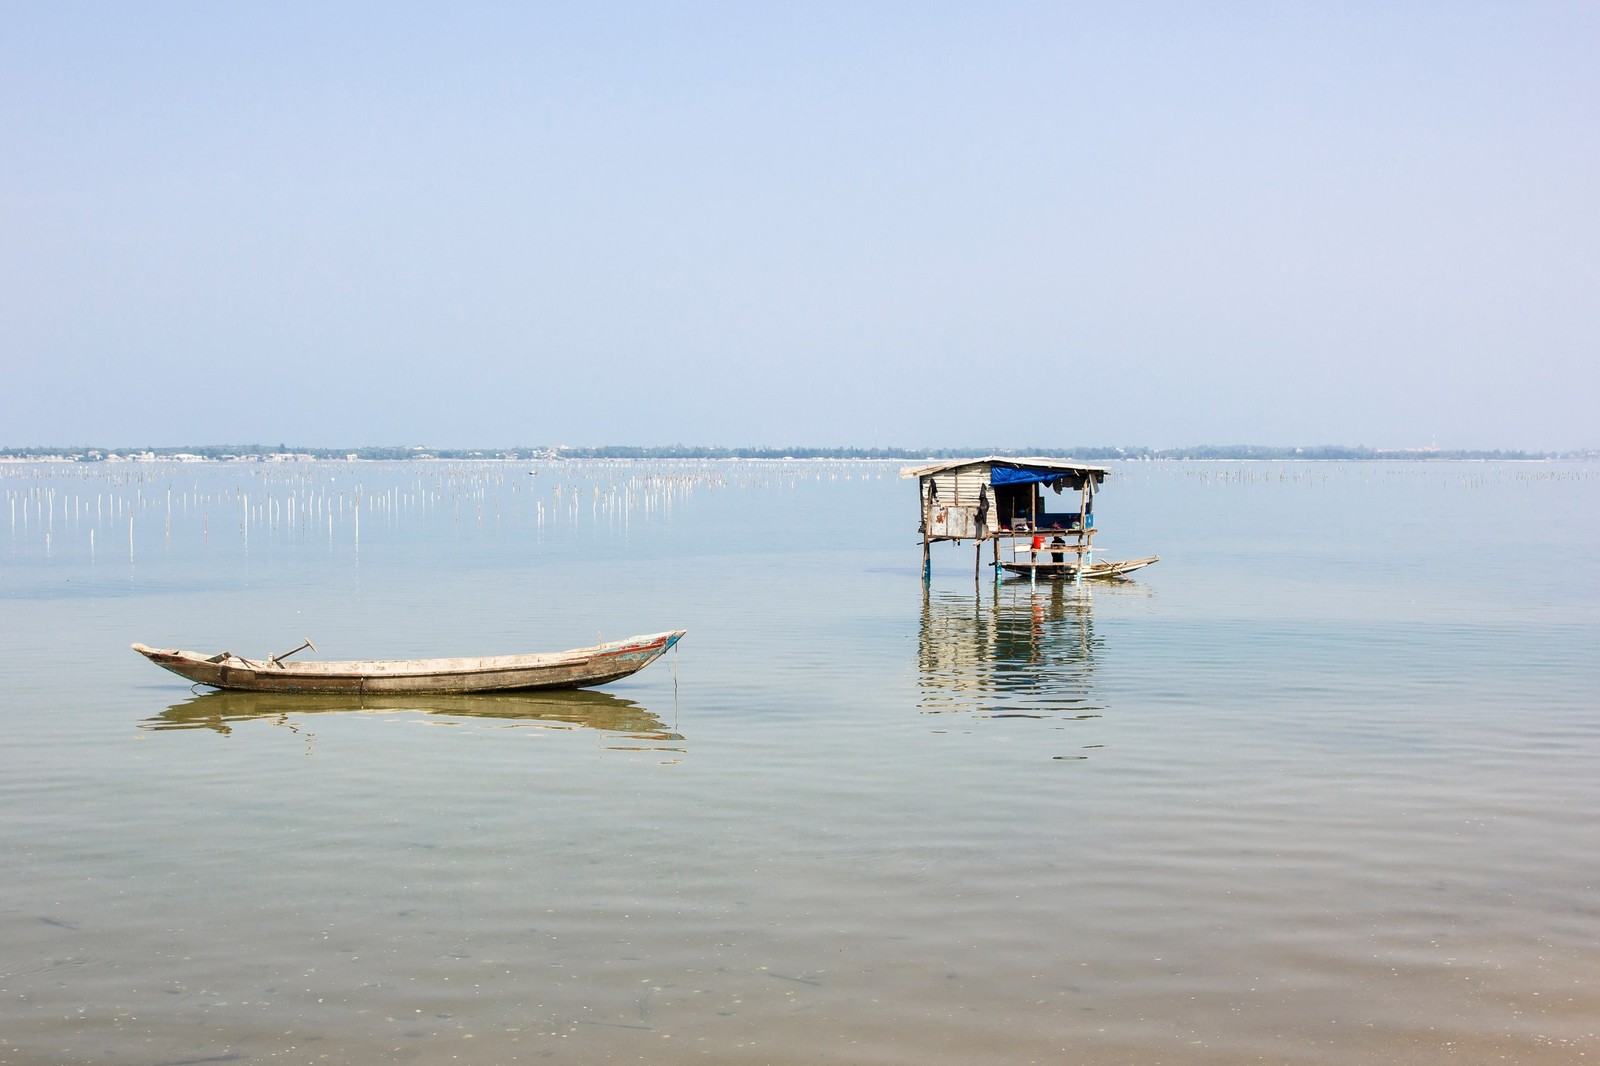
265 452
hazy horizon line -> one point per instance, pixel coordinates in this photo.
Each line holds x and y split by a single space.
795 451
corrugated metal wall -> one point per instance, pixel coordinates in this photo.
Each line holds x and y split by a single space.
961 486
956 510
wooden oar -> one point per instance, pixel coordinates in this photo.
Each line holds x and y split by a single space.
274 661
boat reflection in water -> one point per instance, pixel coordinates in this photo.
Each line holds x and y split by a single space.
1024 653
626 725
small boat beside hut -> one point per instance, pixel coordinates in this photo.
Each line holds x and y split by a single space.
1000 500
577 668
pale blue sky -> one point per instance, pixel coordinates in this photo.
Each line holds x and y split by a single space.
917 224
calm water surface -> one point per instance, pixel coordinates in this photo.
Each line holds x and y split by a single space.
1317 788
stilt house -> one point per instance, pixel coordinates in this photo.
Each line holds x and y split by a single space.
1002 500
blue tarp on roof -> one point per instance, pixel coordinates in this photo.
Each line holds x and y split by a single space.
1015 475
1010 475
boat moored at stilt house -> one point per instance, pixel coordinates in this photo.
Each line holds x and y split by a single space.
1001 500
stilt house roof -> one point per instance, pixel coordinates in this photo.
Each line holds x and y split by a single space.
1040 469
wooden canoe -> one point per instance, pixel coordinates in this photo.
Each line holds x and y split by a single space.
1070 569
578 668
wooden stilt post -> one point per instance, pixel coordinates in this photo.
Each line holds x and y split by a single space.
1033 526
927 519
1083 528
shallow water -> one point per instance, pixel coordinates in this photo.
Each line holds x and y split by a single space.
1318 787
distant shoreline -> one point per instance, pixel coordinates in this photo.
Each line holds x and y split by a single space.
256 453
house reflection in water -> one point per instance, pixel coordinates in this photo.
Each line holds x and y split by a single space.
1020 654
